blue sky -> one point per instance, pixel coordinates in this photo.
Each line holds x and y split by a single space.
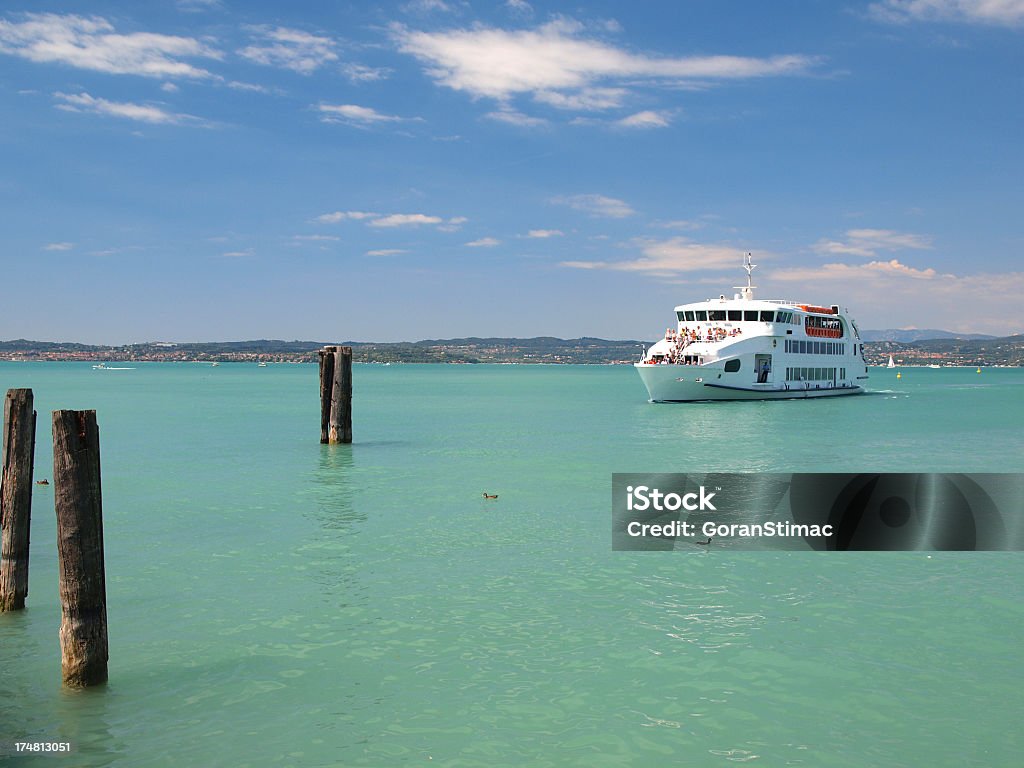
208 169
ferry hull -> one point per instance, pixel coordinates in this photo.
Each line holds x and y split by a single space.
694 383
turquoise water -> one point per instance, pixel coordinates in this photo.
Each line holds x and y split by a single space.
275 602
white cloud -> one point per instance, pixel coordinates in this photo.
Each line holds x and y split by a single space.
544 233
513 117
353 114
169 88
1007 13
289 48
58 246
646 119
427 6
386 252
684 224
597 205
453 224
519 7
360 73
871 270
586 99
405 220
892 294
868 242
240 86
556 58
669 257
315 238
197 6
484 242
93 44
239 254
391 220
144 113
334 218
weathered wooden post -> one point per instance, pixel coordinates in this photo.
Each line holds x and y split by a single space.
336 395
341 397
79 504
326 383
19 444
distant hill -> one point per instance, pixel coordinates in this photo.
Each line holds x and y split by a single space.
1008 350
542 349
917 334
948 350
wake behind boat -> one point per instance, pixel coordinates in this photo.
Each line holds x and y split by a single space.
747 349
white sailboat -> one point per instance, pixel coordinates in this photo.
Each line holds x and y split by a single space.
891 364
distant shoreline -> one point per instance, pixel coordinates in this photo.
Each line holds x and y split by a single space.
945 352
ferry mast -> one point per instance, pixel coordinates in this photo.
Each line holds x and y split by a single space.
746 292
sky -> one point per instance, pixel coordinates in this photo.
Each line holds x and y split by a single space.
207 170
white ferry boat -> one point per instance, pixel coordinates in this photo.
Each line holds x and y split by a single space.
747 349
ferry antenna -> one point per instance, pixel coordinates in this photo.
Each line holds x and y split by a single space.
747 290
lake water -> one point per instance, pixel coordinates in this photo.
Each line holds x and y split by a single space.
275 602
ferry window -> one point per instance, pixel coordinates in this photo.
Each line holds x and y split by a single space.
767 316
750 315
731 366
679 316
735 314
689 315
803 347
702 315
716 314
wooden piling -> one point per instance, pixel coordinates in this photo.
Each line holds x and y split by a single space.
79 504
336 395
326 384
19 443
341 397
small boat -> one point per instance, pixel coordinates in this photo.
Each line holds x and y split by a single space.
99 366
262 365
892 364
